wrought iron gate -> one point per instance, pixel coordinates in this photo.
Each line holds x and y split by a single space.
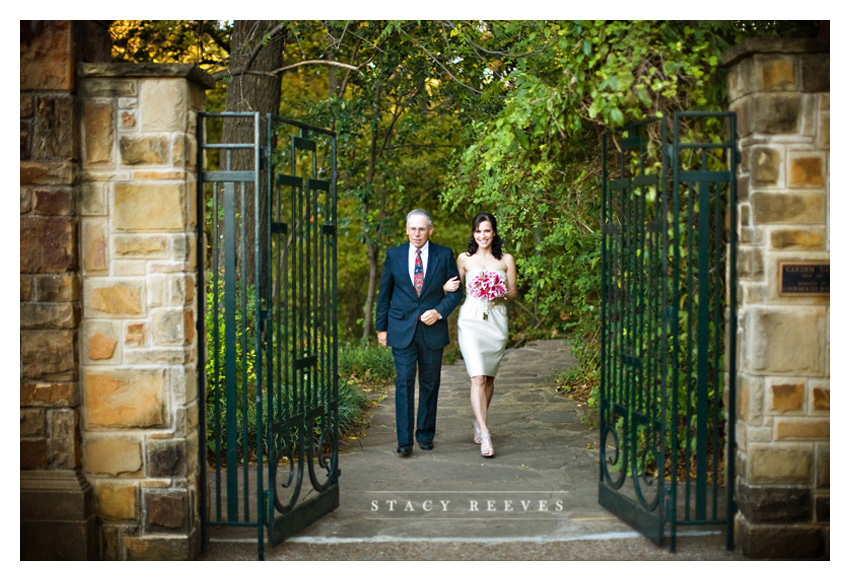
267 331
669 324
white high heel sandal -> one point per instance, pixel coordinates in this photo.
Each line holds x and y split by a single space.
477 437
487 446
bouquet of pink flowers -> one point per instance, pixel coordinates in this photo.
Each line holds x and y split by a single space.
488 286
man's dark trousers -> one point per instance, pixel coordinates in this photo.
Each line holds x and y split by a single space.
405 388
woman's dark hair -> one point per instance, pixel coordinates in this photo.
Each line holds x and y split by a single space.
472 245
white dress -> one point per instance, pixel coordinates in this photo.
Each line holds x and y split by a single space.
482 340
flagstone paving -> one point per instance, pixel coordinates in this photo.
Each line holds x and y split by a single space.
536 499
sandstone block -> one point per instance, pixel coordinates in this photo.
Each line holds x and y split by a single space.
101 341
27 288
777 541
108 88
48 354
65 452
57 288
136 335
145 150
162 356
774 113
802 429
787 397
149 207
822 466
166 458
806 171
127 120
822 510
46 55
174 548
27 106
48 244
182 290
140 246
815 68
126 398
95 246
163 104
766 166
169 327
157 290
166 512
54 133
117 501
33 422
820 399
750 263
786 341
93 199
128 268
823 132
49 315
788 208
159 175
114 456
765 504
49 201
122 298
34 454
798 238
98 134
62 394
778 73
60 173
26 200
771 464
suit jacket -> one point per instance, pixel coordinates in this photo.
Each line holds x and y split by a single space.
399 308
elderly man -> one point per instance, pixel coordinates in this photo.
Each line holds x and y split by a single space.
411 318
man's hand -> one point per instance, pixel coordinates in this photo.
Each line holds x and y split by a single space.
382 338
430 317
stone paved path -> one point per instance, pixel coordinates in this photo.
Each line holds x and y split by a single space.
537 499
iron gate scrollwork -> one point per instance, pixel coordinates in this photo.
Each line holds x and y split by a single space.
267 211
669 324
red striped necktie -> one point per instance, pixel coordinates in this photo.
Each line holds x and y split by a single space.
418 272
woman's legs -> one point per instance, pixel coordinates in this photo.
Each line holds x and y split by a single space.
480 395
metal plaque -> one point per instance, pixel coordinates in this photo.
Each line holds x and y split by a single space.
804 278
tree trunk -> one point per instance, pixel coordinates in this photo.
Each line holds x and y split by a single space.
372 238
254 87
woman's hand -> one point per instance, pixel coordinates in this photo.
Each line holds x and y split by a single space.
452 284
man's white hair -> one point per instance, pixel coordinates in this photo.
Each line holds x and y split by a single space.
419 213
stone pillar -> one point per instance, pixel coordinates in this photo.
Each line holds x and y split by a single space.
57 504
780 90
138 345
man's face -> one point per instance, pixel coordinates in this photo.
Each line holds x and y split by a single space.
418 230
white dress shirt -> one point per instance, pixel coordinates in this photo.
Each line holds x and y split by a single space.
411 262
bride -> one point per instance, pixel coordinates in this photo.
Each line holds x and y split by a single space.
490 278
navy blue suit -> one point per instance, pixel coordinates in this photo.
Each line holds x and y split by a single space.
414 343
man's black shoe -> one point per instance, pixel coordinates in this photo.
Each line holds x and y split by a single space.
404 450
426 445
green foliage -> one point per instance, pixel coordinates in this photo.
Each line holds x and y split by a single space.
537 161
351 401
366 363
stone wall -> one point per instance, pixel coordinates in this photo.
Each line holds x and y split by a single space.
780 92
138 347
57 504
109 403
